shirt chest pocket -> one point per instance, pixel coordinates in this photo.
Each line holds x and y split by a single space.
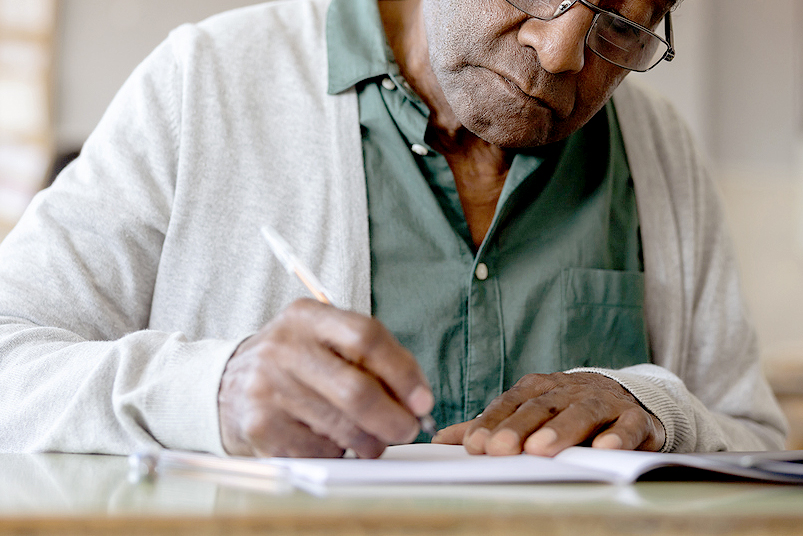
603 319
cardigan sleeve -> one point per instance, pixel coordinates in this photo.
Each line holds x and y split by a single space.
79 371
705 384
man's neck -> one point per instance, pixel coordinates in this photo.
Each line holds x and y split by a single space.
404 27
479 168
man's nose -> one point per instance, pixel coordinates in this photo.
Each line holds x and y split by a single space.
559 43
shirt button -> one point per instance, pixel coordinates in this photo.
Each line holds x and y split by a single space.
482 272
388 84
419 149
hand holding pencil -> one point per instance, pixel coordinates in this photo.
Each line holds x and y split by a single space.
318 380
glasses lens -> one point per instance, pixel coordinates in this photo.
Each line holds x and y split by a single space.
619 41
540 9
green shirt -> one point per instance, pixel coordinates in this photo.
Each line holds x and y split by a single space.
556 284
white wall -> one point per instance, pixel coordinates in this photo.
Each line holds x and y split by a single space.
737 80
687 79
100 43
755 76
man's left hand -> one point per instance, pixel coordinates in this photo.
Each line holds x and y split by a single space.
544 414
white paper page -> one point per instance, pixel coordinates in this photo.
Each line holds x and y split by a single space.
440 464
628 465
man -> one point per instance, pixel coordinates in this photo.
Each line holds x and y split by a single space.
535 264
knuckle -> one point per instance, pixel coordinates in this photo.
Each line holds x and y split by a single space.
530 381
634 415
346 433
287 321
338 427
367 334
255 426
358 398
594 407
540 405
504 403
637 425
288 315
635 418
302 307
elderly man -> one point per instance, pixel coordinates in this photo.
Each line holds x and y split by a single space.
518 247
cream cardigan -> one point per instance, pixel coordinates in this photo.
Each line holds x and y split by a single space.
130 282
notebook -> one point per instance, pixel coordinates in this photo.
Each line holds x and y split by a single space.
451 464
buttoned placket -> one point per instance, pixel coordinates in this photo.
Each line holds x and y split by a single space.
485 340
484 352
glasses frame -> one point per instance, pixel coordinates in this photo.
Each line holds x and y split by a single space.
669 41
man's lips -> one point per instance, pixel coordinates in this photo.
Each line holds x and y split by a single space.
517 86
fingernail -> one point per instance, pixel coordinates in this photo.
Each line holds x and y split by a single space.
608 441
475 444
421 401
504 443
540 441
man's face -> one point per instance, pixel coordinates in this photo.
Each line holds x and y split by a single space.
516 81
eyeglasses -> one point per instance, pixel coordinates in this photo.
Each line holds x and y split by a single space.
612 37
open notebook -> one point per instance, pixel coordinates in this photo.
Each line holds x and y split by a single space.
450 464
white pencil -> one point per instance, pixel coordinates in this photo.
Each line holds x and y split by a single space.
293 265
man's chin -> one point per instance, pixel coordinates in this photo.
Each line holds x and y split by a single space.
514 136
511 127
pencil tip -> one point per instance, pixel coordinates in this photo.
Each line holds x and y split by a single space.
428 425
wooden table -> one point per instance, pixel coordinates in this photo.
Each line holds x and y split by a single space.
89 495
785 374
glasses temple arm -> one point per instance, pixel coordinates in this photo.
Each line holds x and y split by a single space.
670 36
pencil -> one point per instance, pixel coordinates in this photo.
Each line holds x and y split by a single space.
294 266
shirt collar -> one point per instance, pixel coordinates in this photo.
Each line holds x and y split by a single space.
356 44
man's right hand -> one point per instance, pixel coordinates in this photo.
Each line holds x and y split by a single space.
317 381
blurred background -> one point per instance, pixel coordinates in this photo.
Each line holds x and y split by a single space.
737 79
